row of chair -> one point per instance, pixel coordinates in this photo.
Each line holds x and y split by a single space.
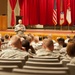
44 65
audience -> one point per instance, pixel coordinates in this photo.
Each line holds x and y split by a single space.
15 49
18 47
30 45
67 38
63 50
36 44
71 51
50 37
6 38
47 49
60 44
32 37
26 45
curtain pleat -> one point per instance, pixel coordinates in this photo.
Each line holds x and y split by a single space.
24 11
12 4
40 11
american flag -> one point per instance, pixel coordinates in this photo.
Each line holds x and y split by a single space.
55 14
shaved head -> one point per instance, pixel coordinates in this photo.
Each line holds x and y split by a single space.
15 40
20 21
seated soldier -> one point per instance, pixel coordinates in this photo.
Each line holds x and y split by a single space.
27 46
36 44
60 44
47 48
14 50
71 51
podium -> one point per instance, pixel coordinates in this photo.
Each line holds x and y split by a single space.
3 22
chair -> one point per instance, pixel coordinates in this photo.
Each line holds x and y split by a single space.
39 72
7 64
71 68
46 68
64 62
43 64
13 61
43 60
45 57
11 73
7 68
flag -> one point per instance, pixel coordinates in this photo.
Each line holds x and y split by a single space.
68 13
55 13
61 18
61 12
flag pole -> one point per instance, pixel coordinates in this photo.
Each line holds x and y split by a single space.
61 13
61 27
68 26
54 27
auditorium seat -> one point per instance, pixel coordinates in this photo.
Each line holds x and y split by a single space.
11 73
71 68
15 59
46 57
7 64
39 72
7 68
43 60
64 62
46 68
43 64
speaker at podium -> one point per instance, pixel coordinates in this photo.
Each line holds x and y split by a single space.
17 18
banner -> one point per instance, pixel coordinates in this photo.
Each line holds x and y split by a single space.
61 18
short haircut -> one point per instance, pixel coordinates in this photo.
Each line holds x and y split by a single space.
48 42
6 36
15 39
71 48
26 44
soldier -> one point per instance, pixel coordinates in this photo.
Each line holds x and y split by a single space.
20 28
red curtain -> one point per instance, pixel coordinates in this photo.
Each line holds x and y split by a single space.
43 11
65 10
49 10
73 11
21 5
12 4
24 11
40 11
33 12
46 12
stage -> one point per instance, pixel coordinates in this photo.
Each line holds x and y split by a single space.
43 32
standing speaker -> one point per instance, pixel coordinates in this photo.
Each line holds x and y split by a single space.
17 18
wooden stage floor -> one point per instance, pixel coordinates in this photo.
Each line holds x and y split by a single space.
43 32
